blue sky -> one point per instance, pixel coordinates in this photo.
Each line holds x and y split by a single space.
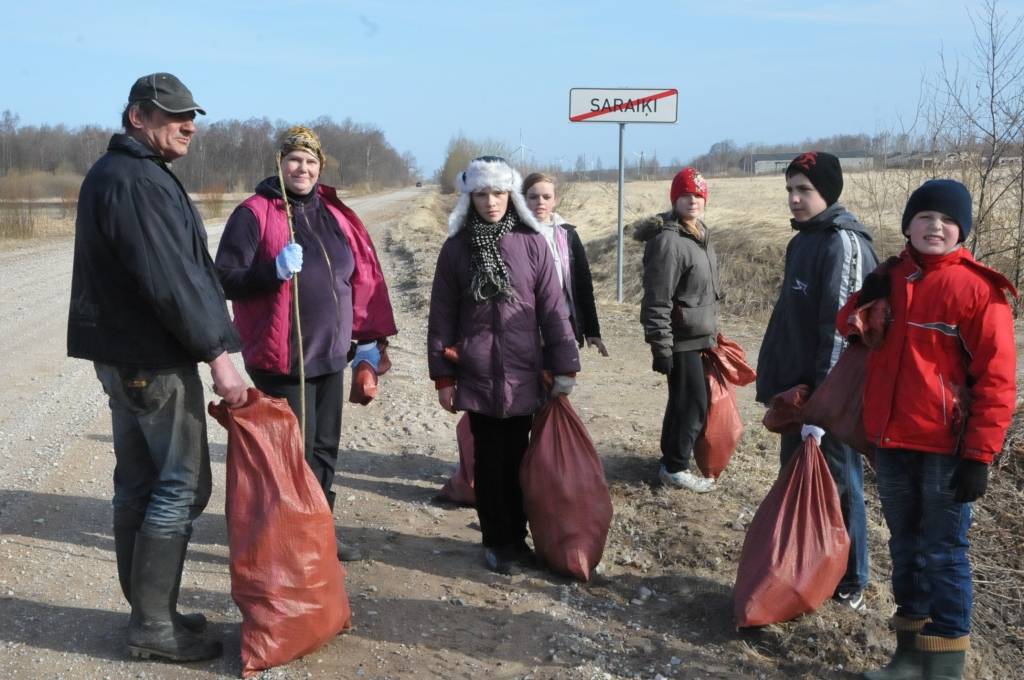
422 71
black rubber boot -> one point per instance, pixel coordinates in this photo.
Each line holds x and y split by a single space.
905 663
943 665
345 552
156 578
124 548
943 658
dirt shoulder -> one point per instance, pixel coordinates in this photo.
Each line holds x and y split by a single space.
423 605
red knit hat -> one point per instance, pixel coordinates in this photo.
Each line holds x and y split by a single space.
688 181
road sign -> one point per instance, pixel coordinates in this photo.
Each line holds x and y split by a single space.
623 105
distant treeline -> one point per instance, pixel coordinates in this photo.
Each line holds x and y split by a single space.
726 157
226 155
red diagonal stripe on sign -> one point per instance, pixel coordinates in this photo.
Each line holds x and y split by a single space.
626 104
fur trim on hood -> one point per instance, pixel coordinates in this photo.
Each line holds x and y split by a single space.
645 229
488 172
557 221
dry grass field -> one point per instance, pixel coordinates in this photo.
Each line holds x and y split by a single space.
749 223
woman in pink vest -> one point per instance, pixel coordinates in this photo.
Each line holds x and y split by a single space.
343 300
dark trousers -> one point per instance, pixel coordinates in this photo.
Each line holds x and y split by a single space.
686 412
499 445
847 469
162 478
324 399
931 572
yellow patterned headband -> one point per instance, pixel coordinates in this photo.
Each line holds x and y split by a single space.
302 139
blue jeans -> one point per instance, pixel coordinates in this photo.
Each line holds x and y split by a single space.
847 470
162 469
931 573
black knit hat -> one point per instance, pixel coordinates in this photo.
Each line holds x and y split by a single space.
946 196
823 170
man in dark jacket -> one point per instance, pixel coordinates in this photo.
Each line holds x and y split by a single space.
826 261
146 308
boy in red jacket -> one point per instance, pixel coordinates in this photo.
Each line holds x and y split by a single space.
938 399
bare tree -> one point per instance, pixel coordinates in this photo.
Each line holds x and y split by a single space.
981 104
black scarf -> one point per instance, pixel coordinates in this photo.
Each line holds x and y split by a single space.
489 275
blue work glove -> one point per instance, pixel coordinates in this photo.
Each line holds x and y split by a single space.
368 352
562 384
289 261
812 431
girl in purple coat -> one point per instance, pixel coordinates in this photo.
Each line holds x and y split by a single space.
498 319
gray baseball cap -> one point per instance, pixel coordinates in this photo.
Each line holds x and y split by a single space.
166 91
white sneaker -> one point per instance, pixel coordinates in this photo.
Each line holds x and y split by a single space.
686 480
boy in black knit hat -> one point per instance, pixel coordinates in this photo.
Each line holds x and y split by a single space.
939 395
826 261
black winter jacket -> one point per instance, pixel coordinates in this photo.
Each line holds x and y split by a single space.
584 311
679 311
144 291
826 261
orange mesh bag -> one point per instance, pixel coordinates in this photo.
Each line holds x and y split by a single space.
285 575
564 491
796 548
459 487
716 444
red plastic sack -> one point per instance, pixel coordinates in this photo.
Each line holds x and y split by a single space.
837 406
364 379
732 362
785 412
796 548
459 487
871 321
716 444
285 575
564 491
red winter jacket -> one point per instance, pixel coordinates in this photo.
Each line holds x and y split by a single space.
949 354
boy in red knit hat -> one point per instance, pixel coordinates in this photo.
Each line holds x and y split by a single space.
679 313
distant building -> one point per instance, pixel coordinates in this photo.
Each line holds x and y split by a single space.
774 163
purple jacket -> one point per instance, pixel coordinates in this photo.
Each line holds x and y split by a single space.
501 354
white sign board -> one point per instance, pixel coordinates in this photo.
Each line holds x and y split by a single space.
623 105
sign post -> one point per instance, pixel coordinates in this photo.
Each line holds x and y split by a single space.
622 105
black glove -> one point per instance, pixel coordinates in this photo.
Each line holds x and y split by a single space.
969 480
662 364
876 286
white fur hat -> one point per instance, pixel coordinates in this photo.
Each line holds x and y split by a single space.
488 172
